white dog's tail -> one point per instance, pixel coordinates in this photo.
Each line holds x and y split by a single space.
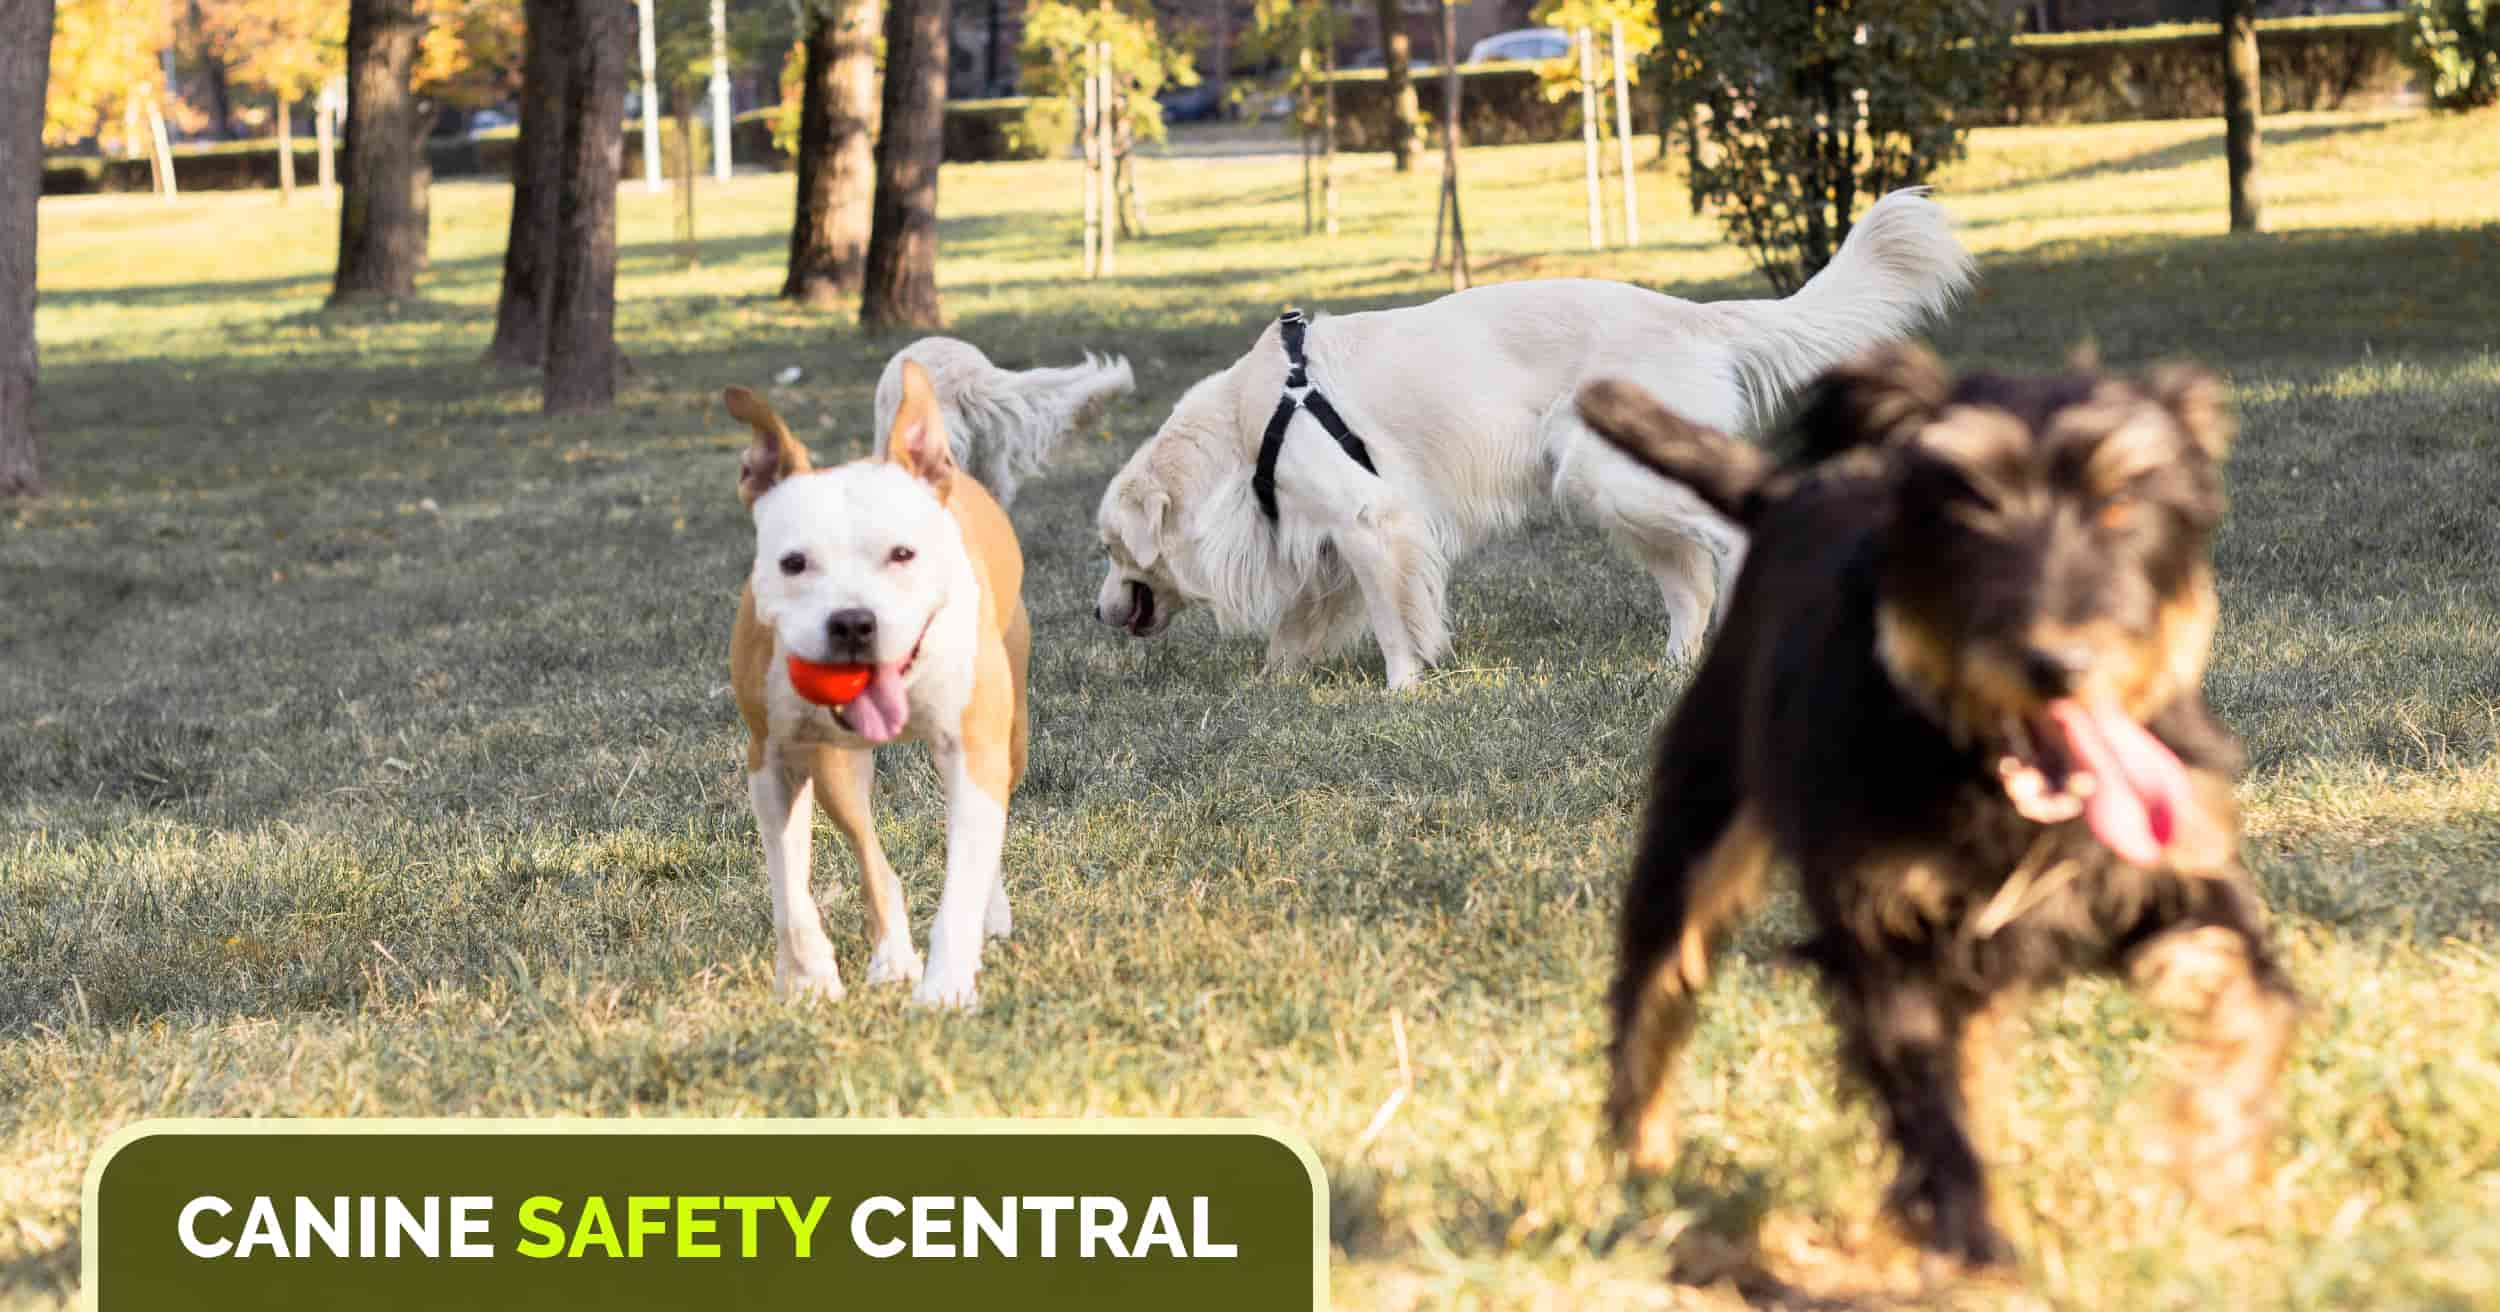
1003 423
1027 412
1900 266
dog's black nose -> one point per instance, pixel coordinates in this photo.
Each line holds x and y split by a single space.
851 630
2054 671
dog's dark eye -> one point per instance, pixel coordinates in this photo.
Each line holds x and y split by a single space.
901 555
794 563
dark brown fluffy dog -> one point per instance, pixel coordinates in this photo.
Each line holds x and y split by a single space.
1958 690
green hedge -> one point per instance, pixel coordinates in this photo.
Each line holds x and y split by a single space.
976 130
2172 71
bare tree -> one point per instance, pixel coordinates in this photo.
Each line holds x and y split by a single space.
529 251
25 69
900 287
581 328
837 159
1406 114
2239 109
382 218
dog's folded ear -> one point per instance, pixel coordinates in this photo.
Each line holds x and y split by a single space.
774 455
1722 471
2198 401
918 440
1141 527
1883 396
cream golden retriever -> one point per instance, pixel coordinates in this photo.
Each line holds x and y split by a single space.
1464 406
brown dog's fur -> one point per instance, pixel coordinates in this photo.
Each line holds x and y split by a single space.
1905 574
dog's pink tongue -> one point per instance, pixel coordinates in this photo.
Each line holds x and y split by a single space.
880 709
2139 787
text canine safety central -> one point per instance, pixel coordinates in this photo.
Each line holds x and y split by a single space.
635 1226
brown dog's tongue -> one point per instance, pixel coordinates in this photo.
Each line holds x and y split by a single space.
2139 788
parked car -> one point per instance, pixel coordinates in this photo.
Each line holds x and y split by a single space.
1191 104
1521 43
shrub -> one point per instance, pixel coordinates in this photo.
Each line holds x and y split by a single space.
1813 110
2455 44
1045 130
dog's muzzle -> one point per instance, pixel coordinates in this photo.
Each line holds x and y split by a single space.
1137 612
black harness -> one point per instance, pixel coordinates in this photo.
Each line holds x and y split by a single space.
1299 396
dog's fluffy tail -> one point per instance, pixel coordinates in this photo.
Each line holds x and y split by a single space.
1900 266
1027 412
1005 418
1727 474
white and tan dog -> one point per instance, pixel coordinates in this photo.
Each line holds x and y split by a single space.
905 565
1004 423
1464 405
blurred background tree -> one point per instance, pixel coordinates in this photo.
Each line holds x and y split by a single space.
103 51
1056 58
2455 46
1812 111
284 48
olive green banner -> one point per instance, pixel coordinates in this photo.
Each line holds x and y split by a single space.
627 1215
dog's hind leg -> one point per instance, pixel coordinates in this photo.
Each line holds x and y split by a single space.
1402 577
1691 553
2234 1011
1321 621
845 787
1701 864
802 955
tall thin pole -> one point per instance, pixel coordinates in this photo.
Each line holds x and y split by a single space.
1086 132
1302 124
650 101
1588 135
1623 143
1110 168
1328 128
325 112
720 90
1449 150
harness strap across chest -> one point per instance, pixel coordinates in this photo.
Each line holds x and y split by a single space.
1299 395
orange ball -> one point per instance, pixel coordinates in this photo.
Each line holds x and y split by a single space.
829 685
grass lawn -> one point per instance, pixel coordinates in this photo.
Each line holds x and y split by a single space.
368 747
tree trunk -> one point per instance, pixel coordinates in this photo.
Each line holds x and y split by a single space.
1406 114
286 151
529 251
2239 109
899 289
837 156
381 229
25 67
991 83
581 338
681 105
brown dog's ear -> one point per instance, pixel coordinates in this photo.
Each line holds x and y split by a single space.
2198 401
774 455
1883 396
918 440
1720 470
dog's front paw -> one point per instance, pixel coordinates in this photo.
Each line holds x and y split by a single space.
805 982
946 985
893 963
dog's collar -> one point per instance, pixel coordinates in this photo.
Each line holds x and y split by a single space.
1299 395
